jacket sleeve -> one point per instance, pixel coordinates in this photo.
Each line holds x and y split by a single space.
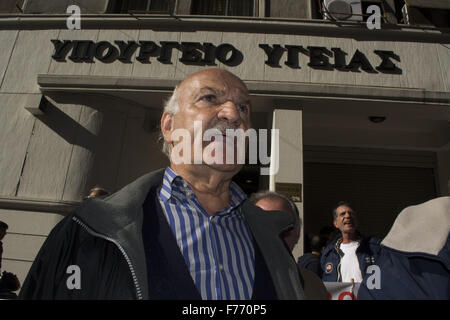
47 271
406 277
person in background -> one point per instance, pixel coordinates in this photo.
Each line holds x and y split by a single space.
269 201
8 284
3 228
274 201
347 257
311 260
97 191
329 233
8 281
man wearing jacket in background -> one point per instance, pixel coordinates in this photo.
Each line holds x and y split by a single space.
348 256
270 200
184 232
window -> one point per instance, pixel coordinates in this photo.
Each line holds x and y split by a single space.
346 10
11 6
154 6
430 13
223 7
426 16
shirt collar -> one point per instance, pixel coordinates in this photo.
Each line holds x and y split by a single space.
166 188
237 195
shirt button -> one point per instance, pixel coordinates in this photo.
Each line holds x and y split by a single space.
220 267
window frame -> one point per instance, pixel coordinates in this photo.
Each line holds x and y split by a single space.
227 9
117 7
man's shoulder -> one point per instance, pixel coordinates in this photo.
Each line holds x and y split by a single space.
139 185
123 208
408 275
370 242
307 257
368 245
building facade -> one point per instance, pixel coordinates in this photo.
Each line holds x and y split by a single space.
362 114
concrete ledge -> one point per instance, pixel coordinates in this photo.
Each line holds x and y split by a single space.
348 91
121 85
351 29
370 156
63 207
105 82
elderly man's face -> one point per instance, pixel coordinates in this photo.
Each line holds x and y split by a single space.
216 99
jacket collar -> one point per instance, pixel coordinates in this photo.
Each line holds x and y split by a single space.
422 229
120 216
336 243
266 227
110 215
174 183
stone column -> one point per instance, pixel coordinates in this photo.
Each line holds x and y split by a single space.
287 166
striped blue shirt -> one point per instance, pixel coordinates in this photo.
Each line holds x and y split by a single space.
218 249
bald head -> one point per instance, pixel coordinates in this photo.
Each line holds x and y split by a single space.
172 105
274 201
213 73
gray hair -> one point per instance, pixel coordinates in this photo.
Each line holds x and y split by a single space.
255 197
340 203
171 107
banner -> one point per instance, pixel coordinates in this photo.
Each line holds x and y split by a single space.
342 290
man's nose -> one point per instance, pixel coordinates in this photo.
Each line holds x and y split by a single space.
230 113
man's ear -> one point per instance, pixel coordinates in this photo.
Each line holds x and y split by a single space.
167 126
334 224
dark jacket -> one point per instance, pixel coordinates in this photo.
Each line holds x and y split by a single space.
330 261
312 285
414 261
103 237
311 262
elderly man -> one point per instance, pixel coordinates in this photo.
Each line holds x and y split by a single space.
274 201
183 232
